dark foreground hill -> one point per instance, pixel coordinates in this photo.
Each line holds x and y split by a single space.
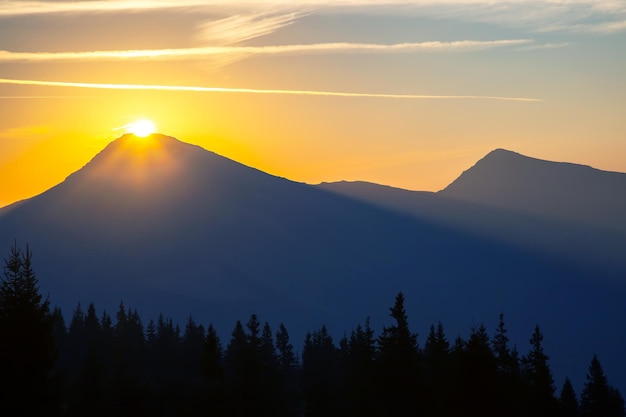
170 227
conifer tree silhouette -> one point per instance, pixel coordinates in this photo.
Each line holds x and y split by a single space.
598 398
28 352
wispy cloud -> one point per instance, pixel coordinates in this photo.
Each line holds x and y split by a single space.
238 28
44 97
258 17
545 46
32 7
567 16
241 27
18 7
316 48
257 91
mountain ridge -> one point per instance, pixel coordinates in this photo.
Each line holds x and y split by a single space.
205 235
559 190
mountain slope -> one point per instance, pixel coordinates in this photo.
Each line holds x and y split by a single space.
170 227
563 191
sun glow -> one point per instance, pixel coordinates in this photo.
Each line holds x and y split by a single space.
141 128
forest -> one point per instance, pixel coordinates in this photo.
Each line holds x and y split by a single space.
102 365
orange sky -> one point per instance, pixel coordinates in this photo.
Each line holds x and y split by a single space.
566 56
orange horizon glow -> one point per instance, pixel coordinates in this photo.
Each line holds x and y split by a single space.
312 93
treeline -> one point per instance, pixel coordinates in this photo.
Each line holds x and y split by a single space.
116 366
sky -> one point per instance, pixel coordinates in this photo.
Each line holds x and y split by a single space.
401 93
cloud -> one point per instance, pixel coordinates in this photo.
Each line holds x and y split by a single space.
209 51
20 7
606 28
256 91
568 16
43 97
258 17
238 28
241 27
545 46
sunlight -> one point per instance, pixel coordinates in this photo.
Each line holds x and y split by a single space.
141 128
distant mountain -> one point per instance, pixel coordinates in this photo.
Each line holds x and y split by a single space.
561 191
566 209
170 227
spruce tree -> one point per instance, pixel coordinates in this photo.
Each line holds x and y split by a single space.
88 379
320 361
213 371
287 371
507 399
28 351
361 372
286 357
501 350
399 356
538 377
436 371
568 403
598 397
237 381
192 350
478 374
213 358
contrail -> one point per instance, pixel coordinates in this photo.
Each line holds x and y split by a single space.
255 91
204 52
44 97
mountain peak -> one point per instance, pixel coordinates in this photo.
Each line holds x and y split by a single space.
567 191
503 153
502 170
135 145
130 160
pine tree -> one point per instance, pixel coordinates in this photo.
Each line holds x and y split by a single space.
27 348
106 324
192 351
237 381
88 382
213 371
436 371
399 355
128 361
538 376
361 372
286 358
479 374
213 358
320 360
151 333
287 371
271 399
507 399
568 403
501 349
236 349
598 397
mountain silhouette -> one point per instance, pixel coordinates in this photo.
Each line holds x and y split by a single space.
170 227
561 191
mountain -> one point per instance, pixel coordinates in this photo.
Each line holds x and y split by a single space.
170 227
569 210
560 191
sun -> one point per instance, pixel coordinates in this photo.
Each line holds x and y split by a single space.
141 128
